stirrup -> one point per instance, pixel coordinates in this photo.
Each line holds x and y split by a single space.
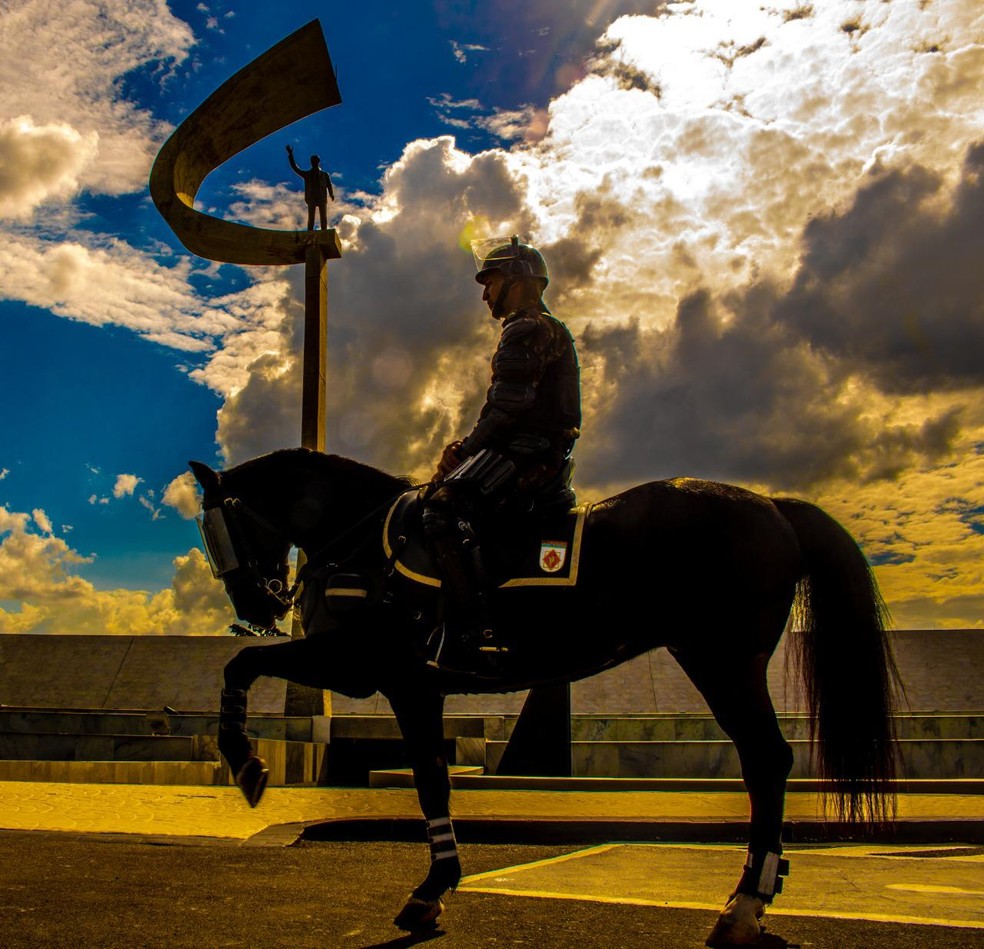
484 664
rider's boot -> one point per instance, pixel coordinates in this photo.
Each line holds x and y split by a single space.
466 640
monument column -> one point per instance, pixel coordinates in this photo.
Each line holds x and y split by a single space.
303 699
291 80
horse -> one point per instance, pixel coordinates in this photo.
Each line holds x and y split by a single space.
713 572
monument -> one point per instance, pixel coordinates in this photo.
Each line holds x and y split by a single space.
290 81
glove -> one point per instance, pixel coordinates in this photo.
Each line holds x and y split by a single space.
450 460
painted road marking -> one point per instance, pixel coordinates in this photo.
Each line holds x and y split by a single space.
536 864
824 883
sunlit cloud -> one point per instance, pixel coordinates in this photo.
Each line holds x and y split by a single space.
461 51
65 84
42 520
182 494
40 162
38 574
125 485
760 226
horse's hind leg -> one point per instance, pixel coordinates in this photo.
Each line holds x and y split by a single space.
420 715
736 690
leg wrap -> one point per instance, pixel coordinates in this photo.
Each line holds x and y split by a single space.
440 833
233 741
445 868
762 876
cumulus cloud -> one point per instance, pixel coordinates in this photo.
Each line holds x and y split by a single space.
66 84
182 494
42 520
125 485
3 473
38 162
760 225
38 574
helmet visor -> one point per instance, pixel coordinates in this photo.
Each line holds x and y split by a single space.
490 250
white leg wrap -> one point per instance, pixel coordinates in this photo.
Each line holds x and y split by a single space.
440 833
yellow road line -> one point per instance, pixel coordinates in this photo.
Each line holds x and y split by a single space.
549 861
672 904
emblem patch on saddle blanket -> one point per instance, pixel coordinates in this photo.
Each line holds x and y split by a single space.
553 555
543 554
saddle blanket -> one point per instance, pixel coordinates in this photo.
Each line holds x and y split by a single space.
535 553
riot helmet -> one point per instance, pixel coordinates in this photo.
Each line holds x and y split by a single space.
511 258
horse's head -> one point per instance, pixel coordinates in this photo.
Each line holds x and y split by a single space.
245 550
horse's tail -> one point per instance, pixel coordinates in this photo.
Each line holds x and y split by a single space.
852 683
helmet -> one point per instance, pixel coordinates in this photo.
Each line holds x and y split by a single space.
512 259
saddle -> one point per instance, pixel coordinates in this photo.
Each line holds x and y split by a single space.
516 552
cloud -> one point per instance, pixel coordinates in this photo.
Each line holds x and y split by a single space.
892 287
40 162
182 494
3 473
38 575
125 485
460 51
42 520
62 73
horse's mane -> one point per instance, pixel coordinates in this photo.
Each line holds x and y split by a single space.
294 462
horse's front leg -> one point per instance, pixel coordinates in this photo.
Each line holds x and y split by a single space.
420 715
249 770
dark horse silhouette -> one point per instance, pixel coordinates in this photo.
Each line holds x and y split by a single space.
711 571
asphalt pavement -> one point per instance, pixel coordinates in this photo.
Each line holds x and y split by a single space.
129 865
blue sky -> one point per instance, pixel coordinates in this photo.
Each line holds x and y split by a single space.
761 226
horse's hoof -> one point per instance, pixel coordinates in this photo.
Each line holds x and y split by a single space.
252 779
739 924
419 914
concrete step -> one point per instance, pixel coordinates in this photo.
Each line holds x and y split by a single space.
45 747
140 722
794 727
291 763
473 778
944 758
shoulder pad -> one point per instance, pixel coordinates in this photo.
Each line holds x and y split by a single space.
520 327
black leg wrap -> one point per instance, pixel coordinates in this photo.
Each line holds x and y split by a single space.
234 743
762 876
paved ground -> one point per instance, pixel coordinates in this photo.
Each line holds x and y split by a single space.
59 890
123 866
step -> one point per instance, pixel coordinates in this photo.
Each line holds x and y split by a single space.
47 747
117 772
944 758
140 722
291 763
472 778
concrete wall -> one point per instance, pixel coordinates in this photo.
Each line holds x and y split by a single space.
125 672
943 670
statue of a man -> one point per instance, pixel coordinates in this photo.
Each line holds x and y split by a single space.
317 188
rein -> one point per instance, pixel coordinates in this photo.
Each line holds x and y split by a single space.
318 558
275 587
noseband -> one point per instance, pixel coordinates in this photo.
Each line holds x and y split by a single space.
230 552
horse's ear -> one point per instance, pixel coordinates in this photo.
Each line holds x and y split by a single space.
205 476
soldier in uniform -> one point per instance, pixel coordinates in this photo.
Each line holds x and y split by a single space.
518 455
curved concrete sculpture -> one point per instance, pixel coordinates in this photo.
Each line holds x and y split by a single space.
289 81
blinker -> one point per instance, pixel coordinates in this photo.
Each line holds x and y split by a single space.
219 548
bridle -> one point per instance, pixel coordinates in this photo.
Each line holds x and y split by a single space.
229 551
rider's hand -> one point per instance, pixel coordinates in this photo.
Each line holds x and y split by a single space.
450 460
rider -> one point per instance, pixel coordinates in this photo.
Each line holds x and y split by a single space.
518 455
